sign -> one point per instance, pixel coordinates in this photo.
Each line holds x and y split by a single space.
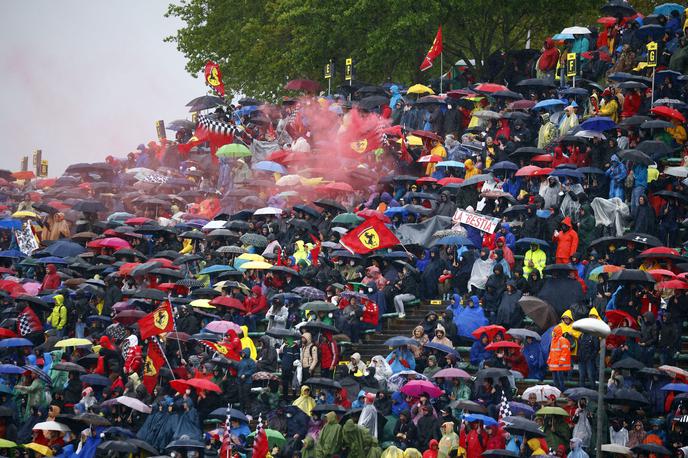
349 69
652 54
484 223
194 117
160 129
328 70
571 64
44 168
24 163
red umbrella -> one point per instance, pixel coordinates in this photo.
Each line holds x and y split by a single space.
659 274
668 112
199 383
543 171
459 93
43 183
527 171
7 333
490 87
230 302
422 180
126 268
660 250
430 158
541 158
137 221
166 263
339 186
522 105
7 270
278 156
427 134
450 180
302 85
491 330
110 242
502 344
615 318
369 213
672 284
416 388
607 21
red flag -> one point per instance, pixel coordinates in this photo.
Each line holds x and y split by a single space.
28 322
260 445
151 369
158 321
213 76
435 50
370 235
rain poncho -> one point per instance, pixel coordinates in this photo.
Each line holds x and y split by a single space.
304 402
611 213
368 418
482 269
449 440
469 318
353 439
330 440
401 360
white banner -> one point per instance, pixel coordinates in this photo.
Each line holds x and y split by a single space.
484 223
26 240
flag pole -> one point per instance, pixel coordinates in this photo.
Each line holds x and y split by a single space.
154 339
441 69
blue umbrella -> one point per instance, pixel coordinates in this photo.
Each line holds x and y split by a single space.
64 249
488 421
269 166
95 379
215 269
654 31
396 211
450 164
562 36
14 342
399 341
13 224
440 347
598 124
567 173
454 240
11 369
12 254
247 110
529 240
518 408
548 103
51 260
682 387
667 8
504 165
101 318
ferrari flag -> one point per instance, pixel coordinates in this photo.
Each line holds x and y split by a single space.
370 235
435 50
213 76
157 322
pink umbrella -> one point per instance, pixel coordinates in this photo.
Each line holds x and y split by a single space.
416 388
133 403
110 242
452 372
222 327
32 288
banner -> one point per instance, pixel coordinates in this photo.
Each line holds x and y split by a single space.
213 76
434 51
157 322
155 359
26 240
370 235
484 223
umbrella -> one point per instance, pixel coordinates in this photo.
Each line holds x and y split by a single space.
69 367
452 372
649 449
632 276
487 114
668 112
64 249
280 333
504 344
579 392
635 156
41 449
319 306
680 387
275 438
520 425
671 195
310 293
550 410
416 388
490 87
539 311
442 348
15 342
468 406
539 83
11 369
51 426
626 332
95 379
420 89
92 419
89 206
323 382
198 383
499 453
523 333
643 239
655 124
133 404
625 396
488 421
73 342
548 103
233 150
119 446
222 327
234 414
205 101
331 205
324 408
185 443
255 240
491 330
598 124
576 30
541 392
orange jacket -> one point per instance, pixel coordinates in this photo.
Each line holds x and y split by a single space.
559 352
567 242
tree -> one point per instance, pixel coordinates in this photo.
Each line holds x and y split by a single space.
262 44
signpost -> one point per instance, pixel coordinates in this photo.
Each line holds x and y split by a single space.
160 129
349 70
36 161
44 168
329 72
652 63
571 66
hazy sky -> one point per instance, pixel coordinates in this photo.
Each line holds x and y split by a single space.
84 79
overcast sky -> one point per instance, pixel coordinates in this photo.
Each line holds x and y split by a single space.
84 79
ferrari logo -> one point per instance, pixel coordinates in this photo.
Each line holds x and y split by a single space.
149 369
360 146
162 318
213 78
221 349
370 239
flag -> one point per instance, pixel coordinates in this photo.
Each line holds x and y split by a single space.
260 442
226 449
370 235
504 409
158 321
28 322
434 51
155 359
222 348
213 76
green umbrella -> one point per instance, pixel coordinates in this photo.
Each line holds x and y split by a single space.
347 218
275 438
233 150
4 443
552 411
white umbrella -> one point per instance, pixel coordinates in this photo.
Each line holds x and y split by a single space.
590 134
289 180
268 211
215 224
51 426
616 448
576 30
542 392
134 404
680 172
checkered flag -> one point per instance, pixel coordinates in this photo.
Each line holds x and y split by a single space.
226 450
218 127
28 322
504 410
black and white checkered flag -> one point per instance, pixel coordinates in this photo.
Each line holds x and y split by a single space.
218 127
504 410
28 322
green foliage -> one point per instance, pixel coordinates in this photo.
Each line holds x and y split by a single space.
262 44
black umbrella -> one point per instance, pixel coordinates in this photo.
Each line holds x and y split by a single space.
205 102
92 419
580 392
617 8
539 311
117 446
319 306
499 453
626 332
625 396
248 101
634 121
143 445
628 363
492 372
95 379
654 148
468 406
604 241
632 276
332 205
185 443
655 124
507 95
280 333
373 102
559 268
651 449
285 270
151 294
255 240
528 151
536 83
635 155
325 408
643 239
307 210
89 206
145 268
521 425
167 272
671 195
318 326
69 367
323 383
179 124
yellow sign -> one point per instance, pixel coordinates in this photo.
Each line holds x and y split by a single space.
349 69
149 368
162 318
435 302
328 70
571 64
44 168
370 239
652 54
160 129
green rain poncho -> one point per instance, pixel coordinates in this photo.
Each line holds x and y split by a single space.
330 440
353 440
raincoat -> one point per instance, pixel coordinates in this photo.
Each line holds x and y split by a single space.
304 402
560 352
58 317
449 440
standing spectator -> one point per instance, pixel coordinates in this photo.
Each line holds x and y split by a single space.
567 242
559 360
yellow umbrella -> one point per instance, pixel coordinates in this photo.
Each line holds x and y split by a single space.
258 265
311 181
419 89
4 443
414 141
38 448
201 304
24 214
73 342
252 257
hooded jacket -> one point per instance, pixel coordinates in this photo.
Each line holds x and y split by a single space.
559 352
330 441
52 279
58 316
247 343
549 57
309 353
567 242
